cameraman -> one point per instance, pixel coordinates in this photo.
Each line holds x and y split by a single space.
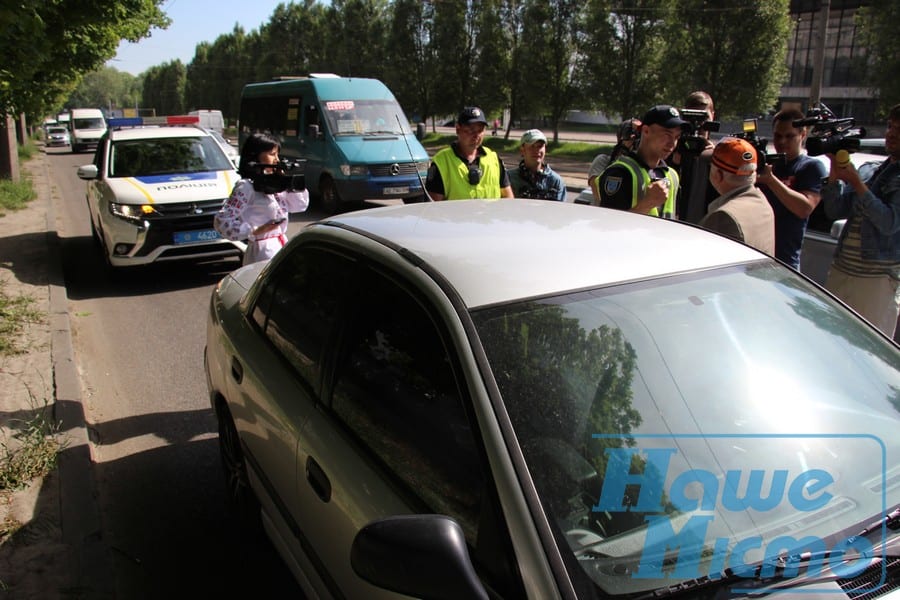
256 216
792 188
696 192
866 267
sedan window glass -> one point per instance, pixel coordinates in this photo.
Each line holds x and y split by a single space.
299 304
396 391
725 371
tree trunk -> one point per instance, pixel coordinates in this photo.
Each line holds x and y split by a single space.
9 153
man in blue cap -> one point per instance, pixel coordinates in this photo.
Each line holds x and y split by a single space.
640 180
466 169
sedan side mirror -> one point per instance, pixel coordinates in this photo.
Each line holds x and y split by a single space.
88 172
419 555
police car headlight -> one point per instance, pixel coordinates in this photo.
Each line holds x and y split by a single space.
351 170
131 212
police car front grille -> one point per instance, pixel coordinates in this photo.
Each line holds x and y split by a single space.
181 210
407 168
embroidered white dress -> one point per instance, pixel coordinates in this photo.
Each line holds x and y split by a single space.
246 209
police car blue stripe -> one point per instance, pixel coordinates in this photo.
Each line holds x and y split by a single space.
205 175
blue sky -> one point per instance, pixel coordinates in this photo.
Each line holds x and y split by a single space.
193 21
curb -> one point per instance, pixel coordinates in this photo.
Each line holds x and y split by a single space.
90 564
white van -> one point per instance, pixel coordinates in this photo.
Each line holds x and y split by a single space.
210 119
87 126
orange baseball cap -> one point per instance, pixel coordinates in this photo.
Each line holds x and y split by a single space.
735 155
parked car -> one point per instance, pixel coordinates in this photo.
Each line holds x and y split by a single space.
57 136
230 151
529 399
154 187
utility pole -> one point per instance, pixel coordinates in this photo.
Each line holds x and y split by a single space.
815 88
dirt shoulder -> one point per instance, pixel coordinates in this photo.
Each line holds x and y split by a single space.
34 561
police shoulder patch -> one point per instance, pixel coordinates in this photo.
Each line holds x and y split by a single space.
612 185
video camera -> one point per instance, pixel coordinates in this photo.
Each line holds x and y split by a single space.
760 144
828 134
697 120
286 174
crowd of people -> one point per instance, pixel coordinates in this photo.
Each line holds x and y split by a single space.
734 191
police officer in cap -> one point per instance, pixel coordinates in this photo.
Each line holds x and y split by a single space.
466 169
640 180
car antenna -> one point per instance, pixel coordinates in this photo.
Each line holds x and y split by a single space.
408 149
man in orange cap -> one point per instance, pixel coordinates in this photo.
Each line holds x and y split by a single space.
741 211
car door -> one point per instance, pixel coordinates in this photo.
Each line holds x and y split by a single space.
280 366
395 436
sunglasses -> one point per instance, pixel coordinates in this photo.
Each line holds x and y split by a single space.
474 174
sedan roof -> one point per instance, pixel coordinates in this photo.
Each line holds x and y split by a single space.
495 251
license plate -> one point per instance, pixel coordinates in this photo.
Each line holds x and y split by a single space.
396 191
193 237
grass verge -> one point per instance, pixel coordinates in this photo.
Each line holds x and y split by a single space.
585 151
15 195
15 312
31 452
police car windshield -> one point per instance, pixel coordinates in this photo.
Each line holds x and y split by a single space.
165 156
365 117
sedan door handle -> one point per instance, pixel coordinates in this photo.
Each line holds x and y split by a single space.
318 480
237 371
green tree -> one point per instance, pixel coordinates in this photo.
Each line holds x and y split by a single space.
877 22
407 51
550 30
219 71
454 50
48 46
355 37
492 58
164 88
106 87
734 50
290 43
621 63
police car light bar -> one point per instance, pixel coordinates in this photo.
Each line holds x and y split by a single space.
142 121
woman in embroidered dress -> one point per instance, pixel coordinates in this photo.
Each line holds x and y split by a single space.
251 215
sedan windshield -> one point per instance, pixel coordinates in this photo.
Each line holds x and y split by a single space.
164 156
682 426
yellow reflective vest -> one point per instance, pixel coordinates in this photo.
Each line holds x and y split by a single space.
640 179
455 175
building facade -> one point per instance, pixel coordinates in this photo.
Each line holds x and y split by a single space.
842 87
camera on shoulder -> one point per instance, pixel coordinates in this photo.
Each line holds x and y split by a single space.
287 174
829 134
691 142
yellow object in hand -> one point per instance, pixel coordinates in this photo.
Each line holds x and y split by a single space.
842 158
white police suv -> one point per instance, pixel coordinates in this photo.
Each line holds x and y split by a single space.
153 189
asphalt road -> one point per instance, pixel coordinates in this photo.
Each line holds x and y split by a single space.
138 345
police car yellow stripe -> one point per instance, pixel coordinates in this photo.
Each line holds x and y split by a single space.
140 188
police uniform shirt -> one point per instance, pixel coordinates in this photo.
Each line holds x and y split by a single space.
434 184
616 186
